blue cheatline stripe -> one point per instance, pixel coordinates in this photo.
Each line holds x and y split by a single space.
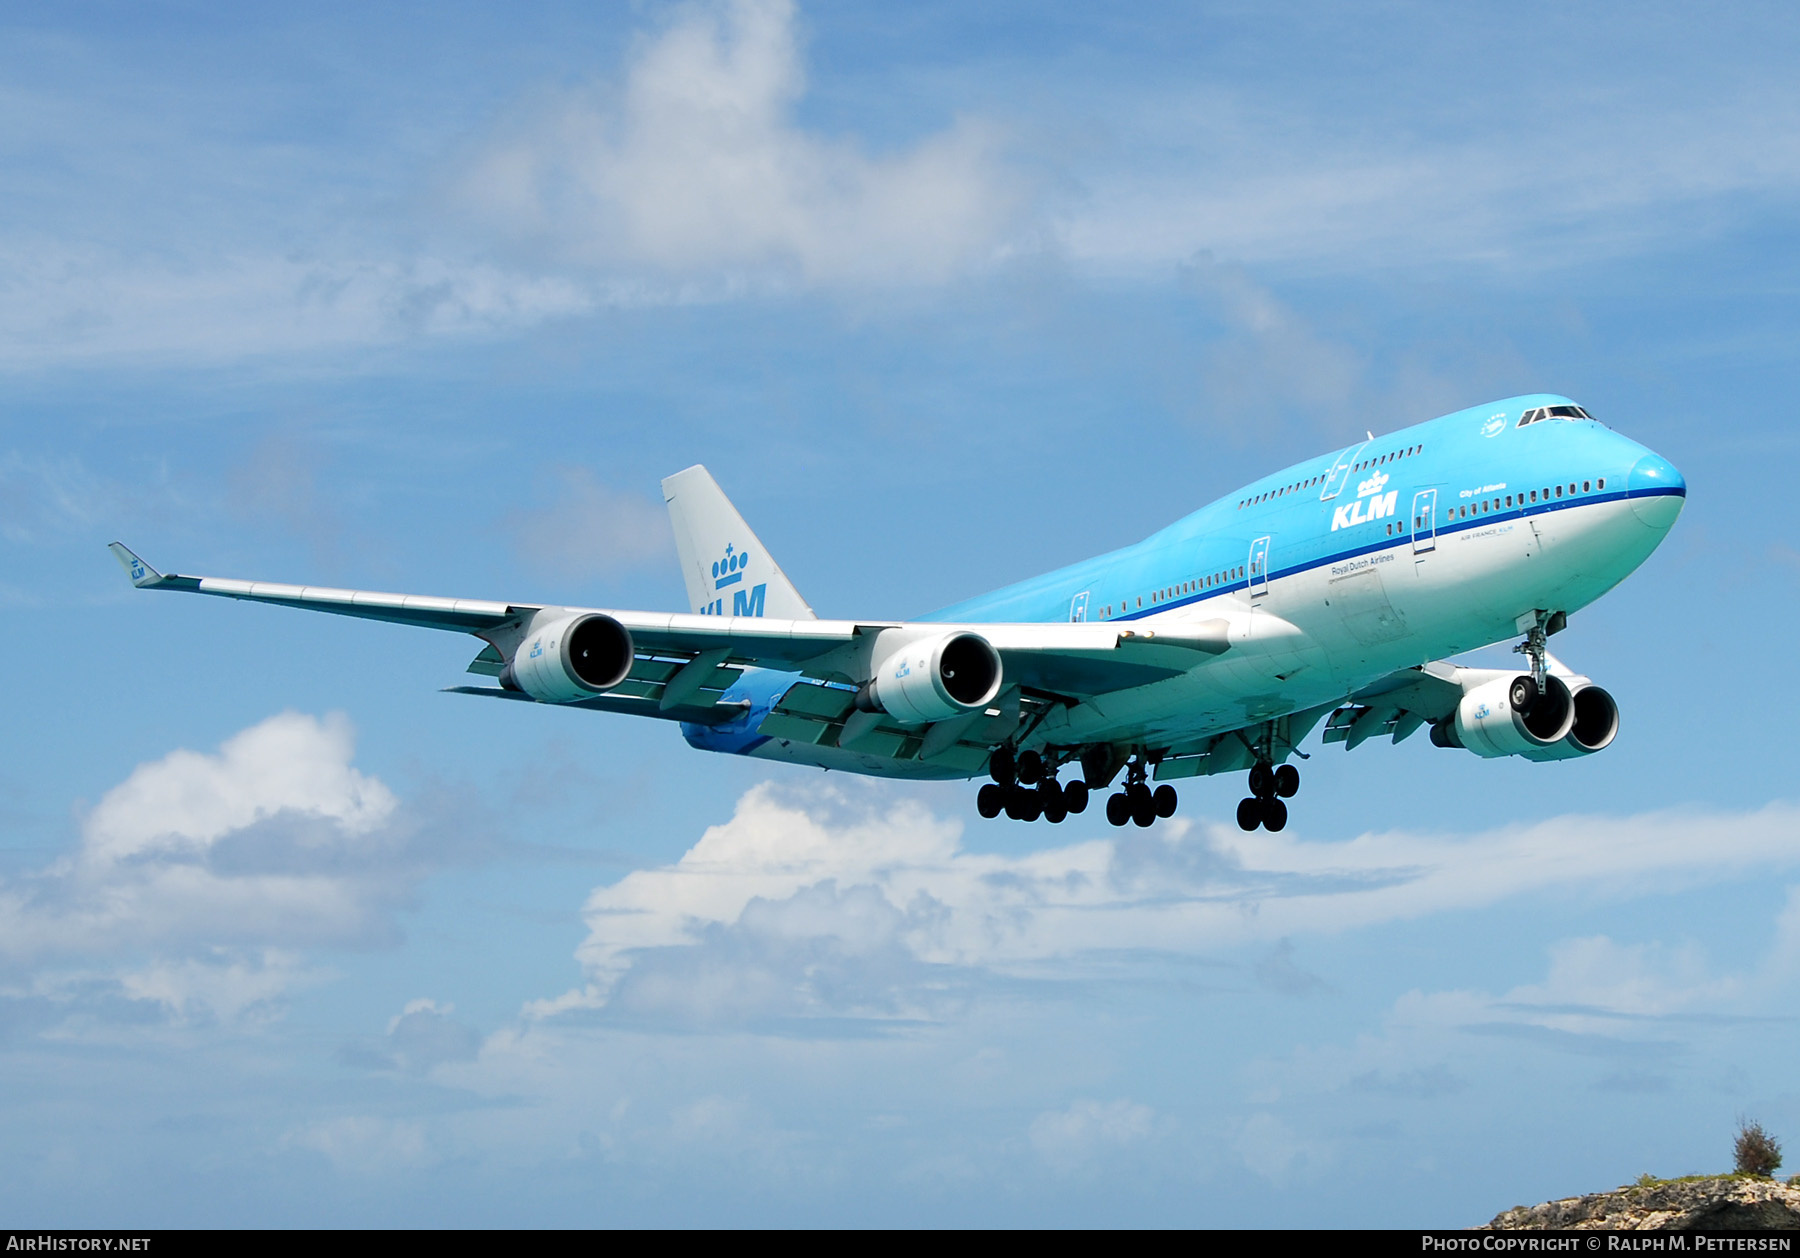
1389 543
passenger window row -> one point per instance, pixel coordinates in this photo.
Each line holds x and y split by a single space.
1320 479
1176 591
1487 505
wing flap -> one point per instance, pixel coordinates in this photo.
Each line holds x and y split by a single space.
490 663
1235 749
794 729
694 714
829 703
1397 705
822 715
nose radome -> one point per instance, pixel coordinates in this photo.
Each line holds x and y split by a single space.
1657 491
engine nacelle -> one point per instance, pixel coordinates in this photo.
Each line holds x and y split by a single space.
570 658
1596 724
1488 723
935 678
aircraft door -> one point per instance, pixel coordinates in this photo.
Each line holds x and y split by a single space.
1259 567
1339 476
1424 521
1078 607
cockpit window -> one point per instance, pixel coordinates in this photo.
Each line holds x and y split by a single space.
1533 415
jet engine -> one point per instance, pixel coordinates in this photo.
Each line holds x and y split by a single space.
1509 716
1595 725
570 658
934 678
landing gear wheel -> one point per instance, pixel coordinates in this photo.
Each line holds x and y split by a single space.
1052 795
1118 809
1165 800
1262 780
1249 814
1031 805
1015 802
1523 694
990 800
1075 797
1143 805
1274 815
1030 768
1054 812
1002 766
1287 781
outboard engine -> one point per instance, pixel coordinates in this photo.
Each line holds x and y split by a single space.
570 658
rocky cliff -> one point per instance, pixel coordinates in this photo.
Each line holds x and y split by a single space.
1668 1205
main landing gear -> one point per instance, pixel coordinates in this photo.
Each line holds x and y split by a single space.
1025 788
1269 786
1136 802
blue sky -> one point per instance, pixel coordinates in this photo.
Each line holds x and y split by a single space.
431 299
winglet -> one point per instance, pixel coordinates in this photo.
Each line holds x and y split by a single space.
141 573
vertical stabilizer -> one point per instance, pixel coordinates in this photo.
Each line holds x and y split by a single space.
727 569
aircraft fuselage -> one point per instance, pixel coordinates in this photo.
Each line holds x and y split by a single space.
1334 572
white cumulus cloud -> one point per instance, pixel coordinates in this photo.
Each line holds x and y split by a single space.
805 903
195 881
188 801
697 167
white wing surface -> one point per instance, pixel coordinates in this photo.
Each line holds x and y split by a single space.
1066 660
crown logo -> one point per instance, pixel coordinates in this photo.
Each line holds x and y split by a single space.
730 570
1372 485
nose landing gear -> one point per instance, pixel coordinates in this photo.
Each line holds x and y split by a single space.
1535 648
1270 785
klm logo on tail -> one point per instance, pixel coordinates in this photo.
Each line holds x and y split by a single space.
1370 504
730 571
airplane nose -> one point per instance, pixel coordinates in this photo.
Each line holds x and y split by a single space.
1656 490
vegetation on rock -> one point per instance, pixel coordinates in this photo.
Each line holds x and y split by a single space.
1758 1153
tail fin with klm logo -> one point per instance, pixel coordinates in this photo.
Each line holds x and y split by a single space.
727 569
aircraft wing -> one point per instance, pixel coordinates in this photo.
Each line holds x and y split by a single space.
1397 704
1072 661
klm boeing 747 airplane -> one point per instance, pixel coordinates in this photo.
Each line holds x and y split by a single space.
1327 593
